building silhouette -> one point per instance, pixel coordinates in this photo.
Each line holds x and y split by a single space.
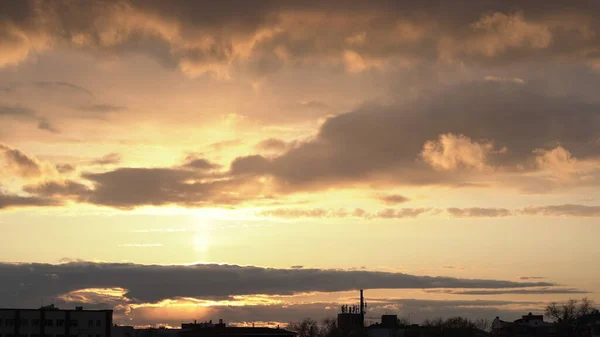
209 329
50 321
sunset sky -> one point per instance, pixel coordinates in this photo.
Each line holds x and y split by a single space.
262 160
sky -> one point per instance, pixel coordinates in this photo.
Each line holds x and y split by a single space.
261 161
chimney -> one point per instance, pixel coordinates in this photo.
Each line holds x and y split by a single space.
362 308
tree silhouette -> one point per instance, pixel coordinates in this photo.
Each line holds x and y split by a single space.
568 314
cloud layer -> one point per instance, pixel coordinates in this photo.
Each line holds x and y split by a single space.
154 287
217 38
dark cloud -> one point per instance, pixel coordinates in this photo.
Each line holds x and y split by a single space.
108 159
62 84
46 125
483 125
24 283
453 267
193 162
255 164
14 201
479 212
272 144
393 199
132 187
359 34
532 278
220 146
564 210
19 162
66 188
16 111
314 104
27 114
102 108
387 213
65 168
538 291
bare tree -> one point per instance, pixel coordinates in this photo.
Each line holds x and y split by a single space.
433 323
403 321
306 328
329 328
311 328
568 314
483 324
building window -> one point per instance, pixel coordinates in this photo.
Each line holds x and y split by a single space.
74 322
60 335
22 335
98 322
24 322
48 322
91 323
10 322
35 335
48 335
60 322
35 322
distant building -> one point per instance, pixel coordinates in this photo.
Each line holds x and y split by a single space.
50 321
351 319
208 329
424 331
388 327
156 332
527 326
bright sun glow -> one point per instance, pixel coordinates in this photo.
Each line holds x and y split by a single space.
202 241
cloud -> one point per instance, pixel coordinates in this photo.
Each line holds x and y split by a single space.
393 199
504 79
65 168
387 213
108 159
220 146
16 110
65 188
128 188
62 84
13 201
479 212
20 163
192 162
102 108
532 278
454 151
563 210
533 291
154 283
280 312
272 144
269 36
46 125
24 113
451 129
